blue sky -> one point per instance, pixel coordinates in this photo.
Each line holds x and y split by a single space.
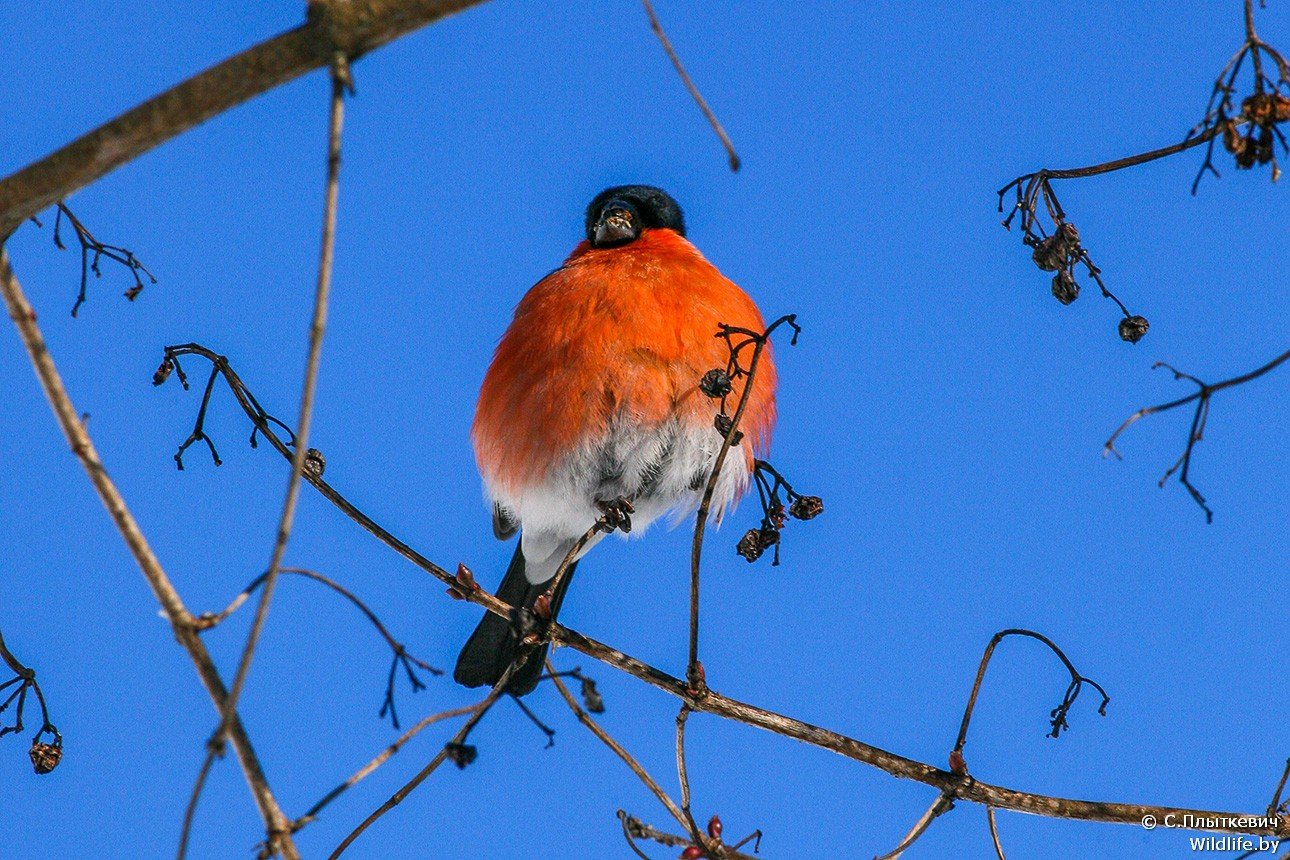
949 411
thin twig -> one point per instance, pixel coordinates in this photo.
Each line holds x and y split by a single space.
617 748
457 740
317 328
994 834
402 657
1274 808
89 245
758 340
193 796
44 756
941 805
381 758
1201 398
683 775
634 828
249 73
24 317
1058 715
689 85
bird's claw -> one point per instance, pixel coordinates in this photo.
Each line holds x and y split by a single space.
616 514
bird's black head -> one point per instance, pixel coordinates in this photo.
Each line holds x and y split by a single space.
619 214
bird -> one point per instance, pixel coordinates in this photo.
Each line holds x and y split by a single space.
592 400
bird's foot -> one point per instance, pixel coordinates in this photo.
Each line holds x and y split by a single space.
616 514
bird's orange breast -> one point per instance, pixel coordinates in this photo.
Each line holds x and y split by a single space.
616 334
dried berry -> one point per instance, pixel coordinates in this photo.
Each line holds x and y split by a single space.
1247 154
461 754
1266 108
1266 149
315 463
163 372
715 383
1133 328
1065 290
723 423
45 757
1232 140
591 696
806 507
749 545
1050 254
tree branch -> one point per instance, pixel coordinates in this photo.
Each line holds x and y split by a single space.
364 26
961 786
24 317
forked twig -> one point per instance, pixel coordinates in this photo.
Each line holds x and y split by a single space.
1201 397
44 756
402 657
458 740
381 758
617 748
93 251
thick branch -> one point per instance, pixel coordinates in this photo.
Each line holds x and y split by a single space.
365 26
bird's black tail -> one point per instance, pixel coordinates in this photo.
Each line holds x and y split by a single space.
490 649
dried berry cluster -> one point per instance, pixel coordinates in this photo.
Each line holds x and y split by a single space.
1261 113
1060 251
775 515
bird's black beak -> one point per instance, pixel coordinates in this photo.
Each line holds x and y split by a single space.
618 225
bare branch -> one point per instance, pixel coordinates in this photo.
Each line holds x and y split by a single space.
190 811
689 85
384 756
735 369
365 26
941 805
1201 398
714 703
340 81
617 748
24 317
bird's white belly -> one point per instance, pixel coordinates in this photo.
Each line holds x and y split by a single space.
661 469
